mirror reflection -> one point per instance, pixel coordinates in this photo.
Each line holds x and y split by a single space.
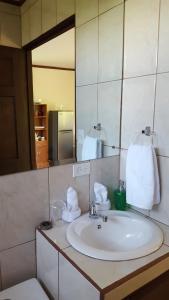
53 69
75 117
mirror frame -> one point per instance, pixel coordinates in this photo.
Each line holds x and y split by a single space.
59 29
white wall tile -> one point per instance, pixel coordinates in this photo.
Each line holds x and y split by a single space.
137 107
10 30
60 178
27 4
18 264
85 11
161 114
141 37
48 14
109 103
123 157
111 44
160 212
163 57
35 20
65 9
87 53
86 112
23 205
107 4
47 265
25 23
109 151
69 275
9 9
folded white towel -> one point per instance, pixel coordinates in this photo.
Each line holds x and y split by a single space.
89 150
142 178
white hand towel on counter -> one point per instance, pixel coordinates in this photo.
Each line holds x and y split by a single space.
89 150
142 178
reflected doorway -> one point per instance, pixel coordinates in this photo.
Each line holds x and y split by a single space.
53 73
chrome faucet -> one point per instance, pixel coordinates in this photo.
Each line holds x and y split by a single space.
93 214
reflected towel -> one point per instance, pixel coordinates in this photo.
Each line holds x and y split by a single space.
89 149
142 178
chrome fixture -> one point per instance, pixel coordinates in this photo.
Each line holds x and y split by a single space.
147 131
94 215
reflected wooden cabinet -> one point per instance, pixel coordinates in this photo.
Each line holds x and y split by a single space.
41 135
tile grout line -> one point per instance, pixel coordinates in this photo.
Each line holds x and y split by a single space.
10 248
157 56
122 85
98 14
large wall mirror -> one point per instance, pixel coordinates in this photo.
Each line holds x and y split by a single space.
74 109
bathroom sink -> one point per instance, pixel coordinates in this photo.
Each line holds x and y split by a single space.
124 236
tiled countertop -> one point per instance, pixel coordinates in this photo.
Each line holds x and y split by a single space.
108 275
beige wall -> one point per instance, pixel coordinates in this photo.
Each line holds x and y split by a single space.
56 88
39 16
10 25
145 102
24 203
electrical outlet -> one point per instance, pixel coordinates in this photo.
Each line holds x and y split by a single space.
81 169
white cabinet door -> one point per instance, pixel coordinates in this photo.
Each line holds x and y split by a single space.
47 265
73 285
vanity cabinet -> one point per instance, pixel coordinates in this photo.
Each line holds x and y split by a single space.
72 284
61 279
70 275
47 265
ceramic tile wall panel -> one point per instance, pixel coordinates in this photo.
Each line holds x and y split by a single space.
109 104
161 114
25 23
141 37
65 9
86 113
109 151
9 9
35 20
85 11
123 157
10 30
108 4
87 53
27 4
23 205
18 264
60 178
111 44
48 14
105 171
161 212
137 107
163 57
47 265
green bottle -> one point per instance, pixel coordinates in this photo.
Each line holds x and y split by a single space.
120 197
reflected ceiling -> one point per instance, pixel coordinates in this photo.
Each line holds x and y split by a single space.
59 52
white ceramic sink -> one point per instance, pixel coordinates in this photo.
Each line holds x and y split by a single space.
124 236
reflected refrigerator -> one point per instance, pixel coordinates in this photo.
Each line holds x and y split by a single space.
61 136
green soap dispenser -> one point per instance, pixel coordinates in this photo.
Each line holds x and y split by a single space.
120 197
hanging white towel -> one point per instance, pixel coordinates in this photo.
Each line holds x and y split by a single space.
142 178
89 149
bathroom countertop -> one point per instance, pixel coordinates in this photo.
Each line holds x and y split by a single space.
113 278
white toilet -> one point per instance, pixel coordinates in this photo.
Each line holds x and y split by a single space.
27 290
